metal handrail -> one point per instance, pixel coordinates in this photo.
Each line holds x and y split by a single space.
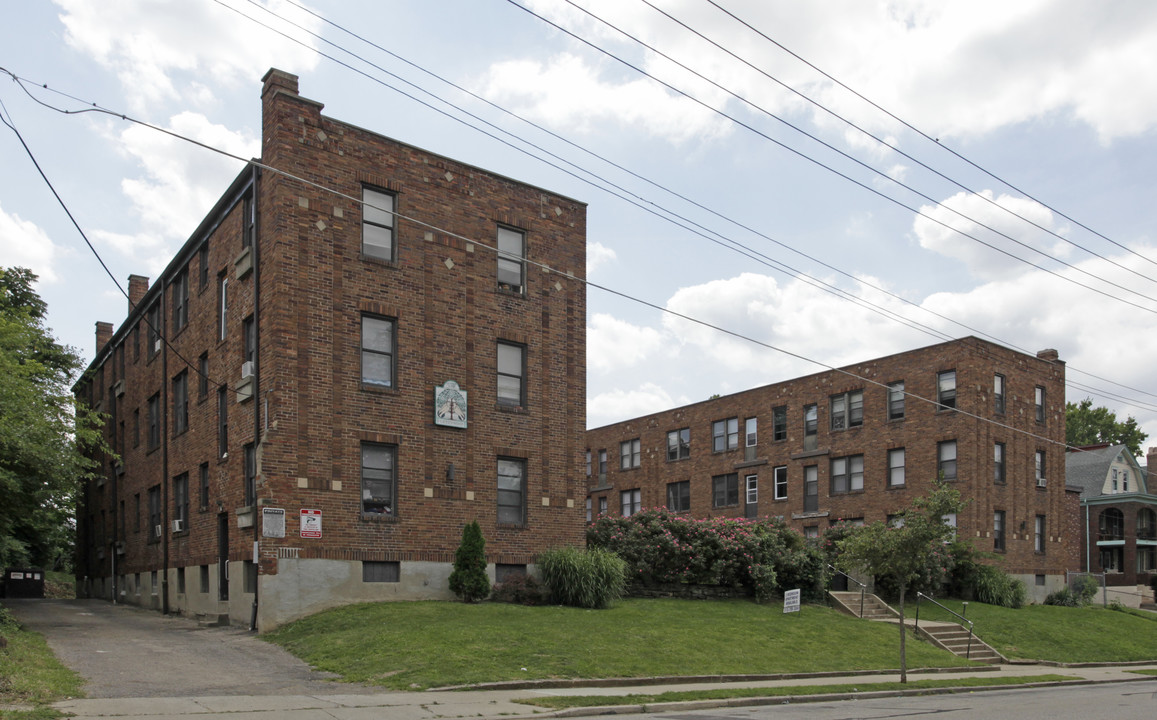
863 587
968 651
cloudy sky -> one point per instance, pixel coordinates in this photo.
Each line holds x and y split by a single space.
840 179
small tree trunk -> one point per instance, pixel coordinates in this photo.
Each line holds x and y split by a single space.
903 634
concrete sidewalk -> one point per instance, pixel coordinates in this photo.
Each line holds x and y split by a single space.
501 703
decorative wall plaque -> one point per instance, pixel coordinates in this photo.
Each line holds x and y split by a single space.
450 407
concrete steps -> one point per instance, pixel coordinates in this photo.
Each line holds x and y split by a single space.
873 607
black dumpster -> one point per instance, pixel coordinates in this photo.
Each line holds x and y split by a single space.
24 583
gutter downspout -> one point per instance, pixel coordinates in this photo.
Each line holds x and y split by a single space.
162 333
1088 542
257 438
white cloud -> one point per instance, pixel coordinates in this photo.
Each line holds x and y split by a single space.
615 405
164 50
986 262
598 255
615 344
23 243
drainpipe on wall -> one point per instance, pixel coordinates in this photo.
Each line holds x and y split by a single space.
162 333
1088 542
257 438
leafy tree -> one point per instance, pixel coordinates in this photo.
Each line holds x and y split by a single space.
900 552
468 580
1088 425
43 433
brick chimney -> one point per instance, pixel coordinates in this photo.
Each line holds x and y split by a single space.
138 286
279 80
1048 354
1151 466
103 335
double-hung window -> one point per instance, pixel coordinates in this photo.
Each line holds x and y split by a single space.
511 491
153 321
725 434
379 482
998 394
377 351
847 410
1039 534
1040 468
377 224
222 421
946 390
511 371
222 307
181 300
679 444
946 459
181 502
998 531
1039 398
511 259
630 454
779 423
896 400
155 528
896 467
998 466
847 474
679 496
779 475
810 421
154 422
181 403
630 502
725 490
751 432
250 474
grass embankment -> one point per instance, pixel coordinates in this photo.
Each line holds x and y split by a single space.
30 675
560 702
432 644
1058 634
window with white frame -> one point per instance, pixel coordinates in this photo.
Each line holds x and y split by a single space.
379 481
1040 468
630 501
377 224
377 351
779 475
998 466
847 474
751 432
511 259
1039 397
589 510
511 372
630 454
751 489
896 467
810 420
998 393
1039 534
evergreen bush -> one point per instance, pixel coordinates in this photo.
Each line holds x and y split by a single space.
468 580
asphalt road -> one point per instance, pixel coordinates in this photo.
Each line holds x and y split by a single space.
126 652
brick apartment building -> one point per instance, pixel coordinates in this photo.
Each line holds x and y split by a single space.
318 394
859 443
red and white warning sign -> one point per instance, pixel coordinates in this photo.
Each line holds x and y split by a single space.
311 523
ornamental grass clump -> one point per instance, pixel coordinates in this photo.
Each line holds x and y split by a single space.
996 587
591 578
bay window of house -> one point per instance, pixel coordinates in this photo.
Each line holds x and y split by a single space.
181 403
630 502
1038 544
250 474
154 422
1040 468
180 286
779 423
946 459
847 474
779 475
377 224
847 410
630 454
811 488
511 371
379 482
896 467
679 444
222 421
181 502
725 490
946 390
1039 399
998 394
725 434
377 351
512 491
998 531
511 259
998 468
896 400
679 496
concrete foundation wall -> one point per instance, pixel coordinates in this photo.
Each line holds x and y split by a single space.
1037 593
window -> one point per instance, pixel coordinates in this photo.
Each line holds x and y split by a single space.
950 521
153 320
629 454
725 434
505 572
249 337
378 479
374 571
1146 558
810 420
155 513
180 581
203 264
377 351
1146 524
203 376
946 390
154 421
136 512
1111 525
249 577
1039 397
136 342
588 463
998 394
679 444
1040 468
248 222
998 531
998 468
512 491
779 475
602 464
1115 485
946 459
847 474
222 421
511 263
511 370
896 400
751 487
377 224
204 578
630 502
181 500
204 486
181 403
896 467
180 287
811 531
1039 534
779 423
588 510
725 490
137 427
222 306
603 506
751 432
847 410
811 488
250 474
679 496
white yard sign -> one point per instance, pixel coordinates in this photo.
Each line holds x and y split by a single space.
791 601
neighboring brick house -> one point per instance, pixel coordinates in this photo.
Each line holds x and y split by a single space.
340 390
1118 513
859 443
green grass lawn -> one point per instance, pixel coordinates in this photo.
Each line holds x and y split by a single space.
30 674
1059 634
432 644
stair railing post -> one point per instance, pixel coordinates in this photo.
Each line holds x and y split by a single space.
916 629
861 602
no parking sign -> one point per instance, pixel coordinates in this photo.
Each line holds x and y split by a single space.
311 523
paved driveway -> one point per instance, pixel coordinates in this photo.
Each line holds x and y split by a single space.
123 652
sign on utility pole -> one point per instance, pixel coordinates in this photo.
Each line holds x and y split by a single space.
791 601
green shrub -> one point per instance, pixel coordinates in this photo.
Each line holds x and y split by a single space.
468 580
996 587
521 590
1063 597
1085 588
591 578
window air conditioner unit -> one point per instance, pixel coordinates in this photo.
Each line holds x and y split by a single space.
157 530
178 526
247 369
1040 482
